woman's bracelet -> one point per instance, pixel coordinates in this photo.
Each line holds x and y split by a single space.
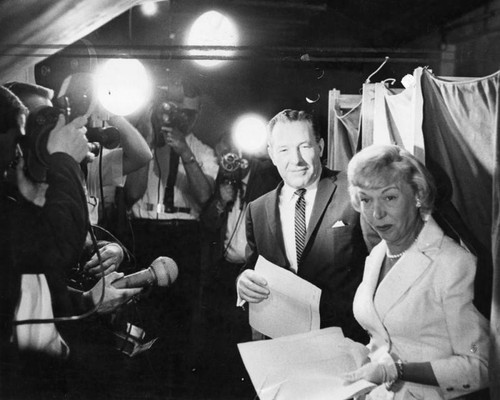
399 367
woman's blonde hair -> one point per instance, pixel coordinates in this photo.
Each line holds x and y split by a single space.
378 165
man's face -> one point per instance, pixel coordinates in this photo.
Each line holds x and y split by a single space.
296 153
8 141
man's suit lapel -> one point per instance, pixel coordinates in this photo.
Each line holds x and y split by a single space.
326 189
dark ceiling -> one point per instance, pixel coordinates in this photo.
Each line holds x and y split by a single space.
289 51
281 26
367 23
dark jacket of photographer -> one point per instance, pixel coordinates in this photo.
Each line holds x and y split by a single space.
263 178
43 240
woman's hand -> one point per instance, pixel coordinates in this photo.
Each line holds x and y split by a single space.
382 371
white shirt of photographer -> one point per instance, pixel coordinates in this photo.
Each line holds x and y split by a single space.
150 206
111 169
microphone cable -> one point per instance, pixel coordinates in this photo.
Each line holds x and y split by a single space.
92 311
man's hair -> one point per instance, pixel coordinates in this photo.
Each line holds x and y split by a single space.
22 90
289 115
11 108
375 164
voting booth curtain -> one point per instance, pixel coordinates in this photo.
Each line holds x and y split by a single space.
451 124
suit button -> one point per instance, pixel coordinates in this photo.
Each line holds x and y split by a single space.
473 348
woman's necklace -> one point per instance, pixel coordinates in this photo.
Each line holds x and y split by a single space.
399 255
394 256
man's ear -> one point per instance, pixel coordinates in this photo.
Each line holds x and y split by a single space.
321 145
270 152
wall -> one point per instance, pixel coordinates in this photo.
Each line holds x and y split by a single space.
475 37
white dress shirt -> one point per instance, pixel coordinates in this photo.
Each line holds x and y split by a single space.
287 201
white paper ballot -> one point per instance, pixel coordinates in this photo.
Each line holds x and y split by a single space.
305 366
292 306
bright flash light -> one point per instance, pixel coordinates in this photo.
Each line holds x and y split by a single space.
122 86
149 9
212 29
249 133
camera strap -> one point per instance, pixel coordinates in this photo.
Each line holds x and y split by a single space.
168 197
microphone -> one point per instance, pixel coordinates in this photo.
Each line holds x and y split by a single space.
162 272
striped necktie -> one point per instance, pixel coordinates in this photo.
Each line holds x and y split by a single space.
300 223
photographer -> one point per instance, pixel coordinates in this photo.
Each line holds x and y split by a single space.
43 228
239 181
166 198
112 167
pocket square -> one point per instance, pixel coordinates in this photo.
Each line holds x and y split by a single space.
338 224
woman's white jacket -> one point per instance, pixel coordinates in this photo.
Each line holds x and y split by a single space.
423 311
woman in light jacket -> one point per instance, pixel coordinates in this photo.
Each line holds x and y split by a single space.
428 341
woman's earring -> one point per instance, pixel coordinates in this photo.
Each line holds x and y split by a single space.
419 204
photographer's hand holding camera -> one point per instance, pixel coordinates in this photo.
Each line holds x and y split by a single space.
167 128
72 139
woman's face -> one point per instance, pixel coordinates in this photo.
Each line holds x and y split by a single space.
390 210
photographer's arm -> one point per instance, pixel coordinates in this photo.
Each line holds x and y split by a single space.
135 185
200 185
136 152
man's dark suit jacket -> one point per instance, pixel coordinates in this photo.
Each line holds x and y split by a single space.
334 255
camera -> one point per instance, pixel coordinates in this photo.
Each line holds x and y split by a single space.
168 114
34 144
233 168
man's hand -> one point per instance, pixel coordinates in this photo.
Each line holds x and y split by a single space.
113 297
70 138
111 256
176 140
31 191
252 287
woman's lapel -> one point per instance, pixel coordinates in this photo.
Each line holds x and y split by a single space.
400 279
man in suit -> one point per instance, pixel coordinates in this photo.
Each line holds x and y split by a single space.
306 225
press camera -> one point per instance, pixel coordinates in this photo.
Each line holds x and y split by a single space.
38 127
169 114
233 168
